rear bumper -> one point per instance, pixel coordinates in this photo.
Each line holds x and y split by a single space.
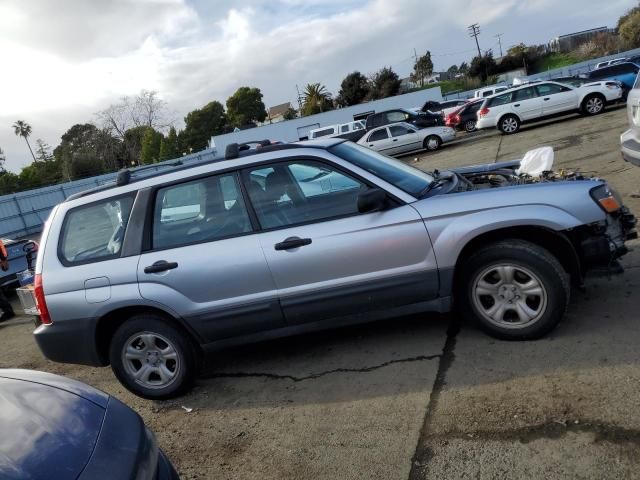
630 148
69 341
485 123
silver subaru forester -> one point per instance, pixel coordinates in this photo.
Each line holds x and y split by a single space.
154 271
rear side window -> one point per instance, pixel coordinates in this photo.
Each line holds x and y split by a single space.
322 133
96 231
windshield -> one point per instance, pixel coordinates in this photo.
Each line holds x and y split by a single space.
402 176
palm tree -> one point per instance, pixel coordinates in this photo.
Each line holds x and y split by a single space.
23 129
316 97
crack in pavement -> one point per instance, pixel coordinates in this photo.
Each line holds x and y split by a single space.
313 376
551 430
446 359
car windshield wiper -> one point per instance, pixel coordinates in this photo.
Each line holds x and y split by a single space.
438 181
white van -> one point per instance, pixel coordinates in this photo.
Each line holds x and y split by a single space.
488 91
351 131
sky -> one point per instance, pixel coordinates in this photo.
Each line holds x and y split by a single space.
62 61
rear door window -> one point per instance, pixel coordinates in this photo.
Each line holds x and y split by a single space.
524 94
95 232
378 135
201 210
501 99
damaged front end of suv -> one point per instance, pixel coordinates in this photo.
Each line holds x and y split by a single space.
597 243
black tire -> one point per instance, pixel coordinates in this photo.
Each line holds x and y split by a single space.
432 143
184 367
529 263
470 126
509 124
593 104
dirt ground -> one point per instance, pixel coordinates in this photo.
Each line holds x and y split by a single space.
422 397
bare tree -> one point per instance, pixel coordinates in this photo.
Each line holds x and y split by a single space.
146 109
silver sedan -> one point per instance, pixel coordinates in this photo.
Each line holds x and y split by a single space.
399 138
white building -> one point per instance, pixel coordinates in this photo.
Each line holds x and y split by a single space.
298 129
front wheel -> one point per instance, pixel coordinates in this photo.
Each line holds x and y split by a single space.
509 124
593 105
152 357
432 143
513 290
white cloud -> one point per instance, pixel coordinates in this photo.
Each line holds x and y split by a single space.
62 61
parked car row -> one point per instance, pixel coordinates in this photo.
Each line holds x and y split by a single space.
534 101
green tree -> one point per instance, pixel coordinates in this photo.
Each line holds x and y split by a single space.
169 146
463 68
132 145
150 146
3 160
200 125
245 107
629 27
290 114
43 151
422 69
353 89
483 66
23 129
453 69
9 183
384 83
316 99
87 144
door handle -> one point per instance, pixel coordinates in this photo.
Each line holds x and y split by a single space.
292 242
395 139
517 105
546 99
160 266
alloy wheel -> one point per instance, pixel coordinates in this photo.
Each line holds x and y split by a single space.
594 105
509 125
509 296
151 360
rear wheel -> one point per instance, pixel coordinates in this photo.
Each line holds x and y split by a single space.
513 290
593 104
432 143
509 124
153 358
470 126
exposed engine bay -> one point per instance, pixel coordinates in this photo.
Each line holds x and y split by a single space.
535 167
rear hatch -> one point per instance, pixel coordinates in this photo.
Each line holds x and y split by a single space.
47 432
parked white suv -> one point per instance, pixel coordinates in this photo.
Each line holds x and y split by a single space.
508 110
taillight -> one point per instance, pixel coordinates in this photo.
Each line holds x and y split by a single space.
483 112
41 303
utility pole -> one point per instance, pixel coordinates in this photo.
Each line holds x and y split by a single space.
474 31
299 100
498 36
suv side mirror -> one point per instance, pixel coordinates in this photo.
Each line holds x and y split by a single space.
372 200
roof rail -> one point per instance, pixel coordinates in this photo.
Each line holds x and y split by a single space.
236 150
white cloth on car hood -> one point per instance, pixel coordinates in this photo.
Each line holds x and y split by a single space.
536 161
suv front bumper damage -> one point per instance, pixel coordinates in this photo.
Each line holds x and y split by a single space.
602 248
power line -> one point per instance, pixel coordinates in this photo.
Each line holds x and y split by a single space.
474 31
